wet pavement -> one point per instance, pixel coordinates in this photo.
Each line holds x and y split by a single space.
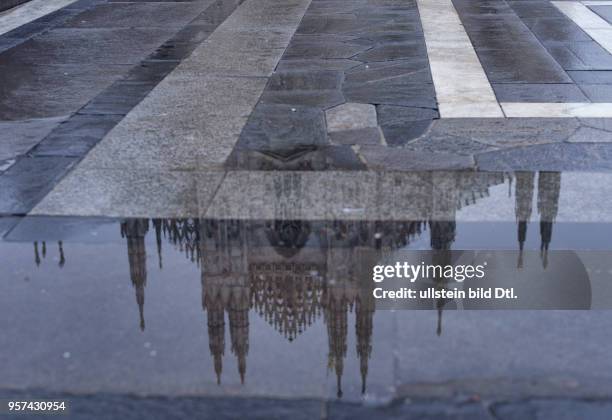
193 195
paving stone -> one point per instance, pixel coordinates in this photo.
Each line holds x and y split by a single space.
305 47
549 157
119 98
598 93
74 46
51 91
501 66
131 15
417 70
329 25
534 92
280 127
566 57
18 137
456 145
350 116
399 159
6 224
398 135
320 98
516 131
408 50
76 136
316 64
398 115
590 135
363 136
26 182
591 77
396 91
591 54
603 11
556 29
305 80
534 9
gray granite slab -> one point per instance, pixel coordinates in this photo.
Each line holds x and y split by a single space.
6 224
315 98
308 47
397 115
415 70
363 136
535 66
396 91
592 77
316 64
598 93
400 134
399 51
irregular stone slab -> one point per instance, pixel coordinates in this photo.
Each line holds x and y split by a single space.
350 116
313 98
316 64
416 70
363 136
305 80
17 137
305 47
396 91
397 115
26 182
590 135
409 50
550 157
398 135
398 159
454 145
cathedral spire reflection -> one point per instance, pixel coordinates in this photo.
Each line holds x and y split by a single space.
134 231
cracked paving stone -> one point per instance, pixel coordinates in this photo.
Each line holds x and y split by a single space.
389 115
450 144
316 64
363 136
400 159
396 91
313 98
306 48
350 116
273 127
549 157
305 80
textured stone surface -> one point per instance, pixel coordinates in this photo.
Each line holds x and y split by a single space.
350 116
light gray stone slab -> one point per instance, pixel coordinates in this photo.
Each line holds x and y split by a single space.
350 116
93 192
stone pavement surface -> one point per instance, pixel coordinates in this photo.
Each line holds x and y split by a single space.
424 123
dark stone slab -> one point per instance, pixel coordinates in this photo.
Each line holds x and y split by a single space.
316 64
535 9
485 7
591 54
217 12
305 80
79 230
118 99
131 15
397 115
604 11
282 127
150 71
394 91
550 157
407 50
320 98
400 159
6 224
556 29
598 93
32 91
535 66
415 70
450 144
534 92
76 136
398 135
7 4
329 24
362 136
101 47
306 47
27 182
566 57
591 77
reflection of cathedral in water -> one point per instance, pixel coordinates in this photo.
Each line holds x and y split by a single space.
292 273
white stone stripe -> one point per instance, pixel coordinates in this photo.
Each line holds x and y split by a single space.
557 110
589 21
28 12
462 87
597 3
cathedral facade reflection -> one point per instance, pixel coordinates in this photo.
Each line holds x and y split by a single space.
293 273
